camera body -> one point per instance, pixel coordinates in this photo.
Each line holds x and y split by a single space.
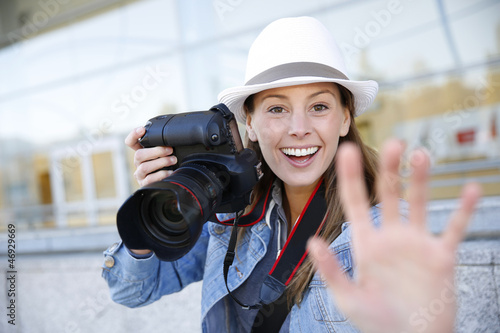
214 174
213 131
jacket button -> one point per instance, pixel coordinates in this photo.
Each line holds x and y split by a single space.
109 261
219 229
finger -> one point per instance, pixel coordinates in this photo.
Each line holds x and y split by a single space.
389 184
155 177
461 217
353 188
149 167
149 154
329 268
132 139
417 195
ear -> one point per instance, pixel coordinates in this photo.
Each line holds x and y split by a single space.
346 124
250 131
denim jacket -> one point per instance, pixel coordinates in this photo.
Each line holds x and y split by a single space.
138 282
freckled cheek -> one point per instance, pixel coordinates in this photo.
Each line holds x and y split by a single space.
269 131
267 140
331 151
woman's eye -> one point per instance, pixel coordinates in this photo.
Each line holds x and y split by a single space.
319 107
277 109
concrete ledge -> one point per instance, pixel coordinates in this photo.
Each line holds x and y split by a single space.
479 252
63 240
485 222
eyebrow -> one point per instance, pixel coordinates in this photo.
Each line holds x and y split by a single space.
309 97
322 92
274 96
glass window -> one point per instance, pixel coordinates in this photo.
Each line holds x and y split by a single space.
71 171
476 32
104 180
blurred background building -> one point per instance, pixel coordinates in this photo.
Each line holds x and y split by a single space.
77 75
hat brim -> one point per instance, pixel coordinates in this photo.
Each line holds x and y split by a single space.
364 92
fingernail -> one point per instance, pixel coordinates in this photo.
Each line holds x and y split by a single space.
139 129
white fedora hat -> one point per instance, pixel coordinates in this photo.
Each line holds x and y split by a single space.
293 51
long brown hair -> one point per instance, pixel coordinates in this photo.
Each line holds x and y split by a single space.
332 227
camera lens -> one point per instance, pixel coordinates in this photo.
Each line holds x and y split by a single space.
163 218
165 213
173 212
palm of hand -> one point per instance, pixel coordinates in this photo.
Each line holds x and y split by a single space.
400 273
404 275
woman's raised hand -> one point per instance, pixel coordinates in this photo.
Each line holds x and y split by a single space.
149 161
404 275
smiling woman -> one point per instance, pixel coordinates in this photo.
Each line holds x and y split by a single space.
298 106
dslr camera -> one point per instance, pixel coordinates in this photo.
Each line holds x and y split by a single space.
214 174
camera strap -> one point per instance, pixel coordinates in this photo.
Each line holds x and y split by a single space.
253 216
309 223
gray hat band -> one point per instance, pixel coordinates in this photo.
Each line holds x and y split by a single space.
296 69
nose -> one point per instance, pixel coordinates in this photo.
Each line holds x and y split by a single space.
300 125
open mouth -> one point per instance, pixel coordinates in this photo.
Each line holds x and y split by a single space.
299 155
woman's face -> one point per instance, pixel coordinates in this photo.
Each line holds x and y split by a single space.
298 130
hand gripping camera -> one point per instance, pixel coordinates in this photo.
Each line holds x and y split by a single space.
214 174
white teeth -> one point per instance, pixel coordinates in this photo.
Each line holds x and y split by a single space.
299 152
